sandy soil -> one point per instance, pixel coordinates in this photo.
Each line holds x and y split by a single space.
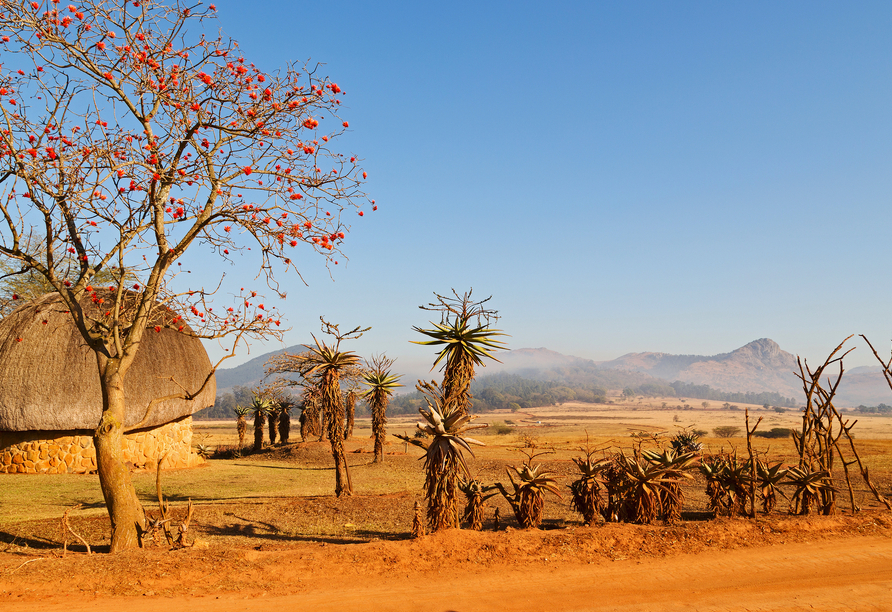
786 563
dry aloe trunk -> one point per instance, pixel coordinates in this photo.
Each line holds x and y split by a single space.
350 408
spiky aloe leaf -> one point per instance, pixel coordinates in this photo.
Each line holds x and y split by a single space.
459 337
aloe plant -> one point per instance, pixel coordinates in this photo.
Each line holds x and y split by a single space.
464 345
769 478
476 494
444 441
728 483
713 469
674 468
323 365
809 484
528 495
586 490
241 424
645 489
259 407
381 384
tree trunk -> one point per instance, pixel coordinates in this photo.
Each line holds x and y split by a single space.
350 405
124 509
273 423
284 426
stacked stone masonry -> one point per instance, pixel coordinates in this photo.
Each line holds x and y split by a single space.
72 452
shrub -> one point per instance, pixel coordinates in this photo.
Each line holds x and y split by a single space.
500 428
726 431
775 432
226 452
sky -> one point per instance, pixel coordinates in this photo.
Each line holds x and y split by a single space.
620 177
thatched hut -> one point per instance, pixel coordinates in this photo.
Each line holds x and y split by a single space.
50 397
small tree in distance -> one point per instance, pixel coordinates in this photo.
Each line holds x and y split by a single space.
726 431
127 138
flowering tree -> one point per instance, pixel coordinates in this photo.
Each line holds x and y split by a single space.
127 137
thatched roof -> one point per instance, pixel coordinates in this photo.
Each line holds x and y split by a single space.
49 379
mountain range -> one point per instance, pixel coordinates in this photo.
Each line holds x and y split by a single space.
760 366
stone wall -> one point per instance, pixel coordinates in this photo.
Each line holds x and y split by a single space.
72 452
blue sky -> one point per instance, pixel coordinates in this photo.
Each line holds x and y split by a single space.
648 176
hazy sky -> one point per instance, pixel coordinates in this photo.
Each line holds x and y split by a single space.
625 176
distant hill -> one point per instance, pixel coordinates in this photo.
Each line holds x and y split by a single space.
250 373
547 365
760 366
864 385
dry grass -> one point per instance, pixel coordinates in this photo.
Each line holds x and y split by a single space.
285 494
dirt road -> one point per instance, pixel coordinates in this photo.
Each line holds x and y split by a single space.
852 573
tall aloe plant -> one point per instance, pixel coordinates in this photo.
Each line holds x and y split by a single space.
381 384
444 428
260 408
465 345
241 424
324 365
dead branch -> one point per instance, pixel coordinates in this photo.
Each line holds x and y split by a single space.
184 527
66 529
749 448
164 521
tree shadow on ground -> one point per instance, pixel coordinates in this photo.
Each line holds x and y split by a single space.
261 530
15 543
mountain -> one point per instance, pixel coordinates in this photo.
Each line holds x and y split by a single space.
250 373
760 366
547 365
863 385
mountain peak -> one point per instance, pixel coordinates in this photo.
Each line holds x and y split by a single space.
763 346
759 366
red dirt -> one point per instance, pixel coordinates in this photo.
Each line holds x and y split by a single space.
777 564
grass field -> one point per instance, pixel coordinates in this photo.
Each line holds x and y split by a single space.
303 471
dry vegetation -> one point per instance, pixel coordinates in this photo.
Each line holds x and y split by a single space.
279 502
